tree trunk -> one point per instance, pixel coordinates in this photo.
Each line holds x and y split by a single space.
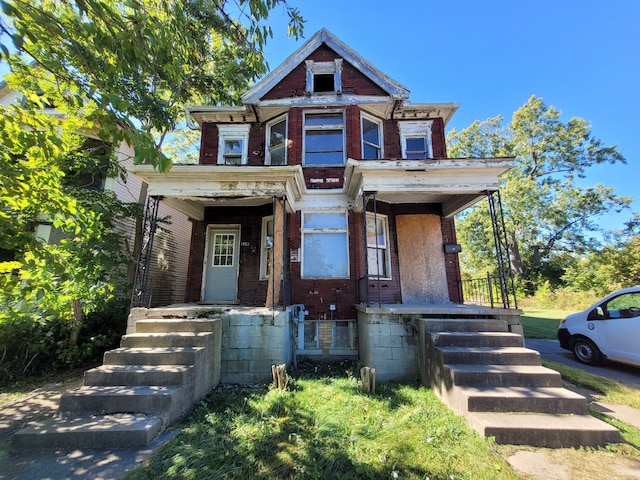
77 322
515 260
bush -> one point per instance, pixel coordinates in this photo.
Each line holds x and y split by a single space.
558 299
29 347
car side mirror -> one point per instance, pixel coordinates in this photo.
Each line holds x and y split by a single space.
596 314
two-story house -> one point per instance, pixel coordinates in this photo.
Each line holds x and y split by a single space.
326 190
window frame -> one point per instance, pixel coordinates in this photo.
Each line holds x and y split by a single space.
380 147
373 246
416 129
269 149
229 133
324 68
265 248
304 231
323 128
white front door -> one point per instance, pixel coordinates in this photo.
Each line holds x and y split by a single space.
221 265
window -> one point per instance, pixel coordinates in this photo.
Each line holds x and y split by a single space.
324 77
371 138
266 249
416 139
223 249
324 139
324 245
277 142
378 259
342 337
232 146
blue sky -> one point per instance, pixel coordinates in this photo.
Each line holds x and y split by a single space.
583 57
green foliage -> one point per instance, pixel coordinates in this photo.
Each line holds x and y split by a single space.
610 268
547 215
141 61
30 348
325 428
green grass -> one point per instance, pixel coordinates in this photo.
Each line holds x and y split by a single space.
325 428
541 323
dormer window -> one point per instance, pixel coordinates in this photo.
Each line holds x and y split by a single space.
233 144
415 138
324 77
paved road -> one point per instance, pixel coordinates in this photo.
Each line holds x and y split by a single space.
550 350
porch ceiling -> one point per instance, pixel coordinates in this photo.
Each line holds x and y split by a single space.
456 183
191 188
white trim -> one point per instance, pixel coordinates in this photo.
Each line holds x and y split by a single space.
234 131
339 230
387 248
270 124
416 129
342 127
377 121
264 247
393 88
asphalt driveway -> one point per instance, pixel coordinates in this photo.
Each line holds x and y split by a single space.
551 350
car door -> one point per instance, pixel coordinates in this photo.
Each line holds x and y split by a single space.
619 331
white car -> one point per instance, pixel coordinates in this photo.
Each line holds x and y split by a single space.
610 329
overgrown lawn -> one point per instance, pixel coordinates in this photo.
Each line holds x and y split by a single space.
325 428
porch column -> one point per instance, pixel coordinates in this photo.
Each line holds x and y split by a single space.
274 286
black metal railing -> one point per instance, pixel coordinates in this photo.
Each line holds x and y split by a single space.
492 291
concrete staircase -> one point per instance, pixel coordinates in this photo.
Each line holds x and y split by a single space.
159 372
482 371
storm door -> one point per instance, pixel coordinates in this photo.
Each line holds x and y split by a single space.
221 265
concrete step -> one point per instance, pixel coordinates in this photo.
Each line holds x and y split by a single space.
100 432
135 375
503 375
166 325
477 339
544 430
168 402
522 399
165 339
153 356
466 325
488 355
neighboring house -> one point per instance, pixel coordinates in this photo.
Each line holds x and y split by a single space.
167 266
325 190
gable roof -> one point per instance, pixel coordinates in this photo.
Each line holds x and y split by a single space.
393 88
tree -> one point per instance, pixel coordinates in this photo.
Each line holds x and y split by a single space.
547 214
614 266
115 71
141 61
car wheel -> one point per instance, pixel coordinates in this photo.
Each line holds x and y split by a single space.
587 352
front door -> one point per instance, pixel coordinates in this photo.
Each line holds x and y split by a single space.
221 265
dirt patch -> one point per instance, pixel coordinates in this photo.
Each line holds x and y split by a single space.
573 463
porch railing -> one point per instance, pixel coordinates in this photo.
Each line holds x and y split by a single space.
492 291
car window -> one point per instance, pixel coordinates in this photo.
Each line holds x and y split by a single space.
626 305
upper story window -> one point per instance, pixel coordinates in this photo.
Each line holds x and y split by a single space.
277 142
371 138
325 248
233 144
324 138
416 139
324 77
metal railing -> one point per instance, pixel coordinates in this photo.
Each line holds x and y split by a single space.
493 291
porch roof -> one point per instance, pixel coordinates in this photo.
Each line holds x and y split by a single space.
455 183
191 188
